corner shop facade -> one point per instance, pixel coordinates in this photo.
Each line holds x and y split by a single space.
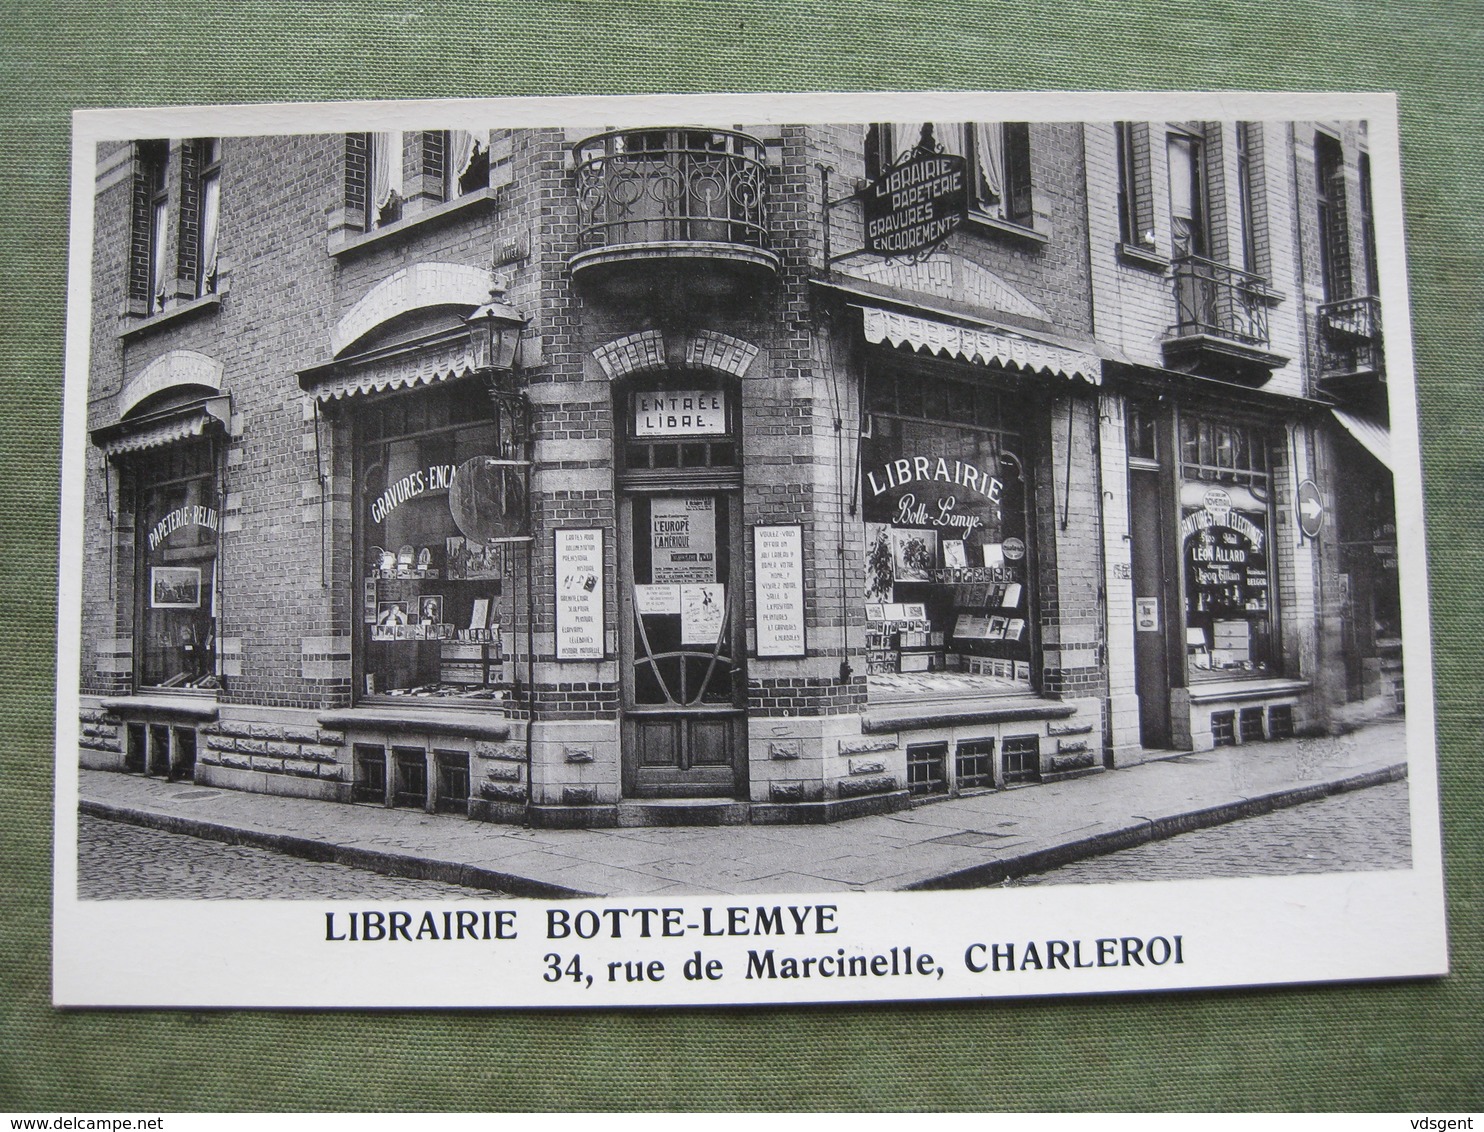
812 532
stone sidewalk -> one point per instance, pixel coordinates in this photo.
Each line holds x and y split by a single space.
963 842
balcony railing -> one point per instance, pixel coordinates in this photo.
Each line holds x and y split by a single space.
1350 338
649 188
1219 301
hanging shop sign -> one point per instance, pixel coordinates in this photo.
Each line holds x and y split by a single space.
488 501
778 595
915 204
579 594
690 412
682 539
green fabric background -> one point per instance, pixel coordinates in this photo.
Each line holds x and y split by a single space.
1387 1046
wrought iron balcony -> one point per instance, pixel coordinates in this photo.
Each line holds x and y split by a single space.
1350 342
1221 322
683 198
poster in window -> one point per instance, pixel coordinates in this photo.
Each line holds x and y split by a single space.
914 553
702 613
175 587
656 600
682 539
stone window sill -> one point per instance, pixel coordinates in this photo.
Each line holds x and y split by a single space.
1035 233
135 325
343 244
1143 258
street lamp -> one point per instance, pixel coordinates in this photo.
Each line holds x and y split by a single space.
494 339
494 333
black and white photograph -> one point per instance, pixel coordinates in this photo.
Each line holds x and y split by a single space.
1099 661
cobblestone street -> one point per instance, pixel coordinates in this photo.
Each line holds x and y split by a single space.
118 861
1355 832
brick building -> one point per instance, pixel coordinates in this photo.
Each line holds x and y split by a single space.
752 522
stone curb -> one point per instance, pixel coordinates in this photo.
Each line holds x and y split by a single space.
372 860
1152 829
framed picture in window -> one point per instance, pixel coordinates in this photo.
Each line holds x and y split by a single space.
175 587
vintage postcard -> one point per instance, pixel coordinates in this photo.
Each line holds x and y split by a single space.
747 549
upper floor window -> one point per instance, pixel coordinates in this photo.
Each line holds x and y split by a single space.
176 217
998 155
468 162
1135 194
1188 231
1334 236
1248 197
1368 227
155 158
200 215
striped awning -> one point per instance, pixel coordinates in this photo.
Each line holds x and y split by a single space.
336 381
155 430
984 346
1373 437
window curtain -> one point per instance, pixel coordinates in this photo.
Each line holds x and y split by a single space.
386 167
904 137
211 193
462 146
989 157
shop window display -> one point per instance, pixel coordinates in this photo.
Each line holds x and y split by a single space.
176 541
948 595
1225 547
431 602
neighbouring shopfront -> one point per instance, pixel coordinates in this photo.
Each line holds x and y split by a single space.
433 604
1208 650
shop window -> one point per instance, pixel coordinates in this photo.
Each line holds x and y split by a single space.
176 563
1021 756
453 781
927 768
1135 191
974 763
370 771
949 600
431 603
1225 533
